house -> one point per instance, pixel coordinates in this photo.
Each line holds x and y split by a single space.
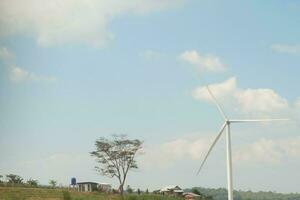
172 190
87 186
190 196
104 187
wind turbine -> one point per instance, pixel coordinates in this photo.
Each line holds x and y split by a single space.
227 123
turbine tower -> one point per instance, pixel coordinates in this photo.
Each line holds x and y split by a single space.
226 125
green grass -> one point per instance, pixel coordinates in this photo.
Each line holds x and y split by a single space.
18 193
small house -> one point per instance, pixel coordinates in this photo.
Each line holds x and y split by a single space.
87 186
172 190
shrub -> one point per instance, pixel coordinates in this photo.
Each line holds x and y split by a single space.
66 195
131 198
32 183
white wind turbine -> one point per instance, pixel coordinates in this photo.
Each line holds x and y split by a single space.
227 123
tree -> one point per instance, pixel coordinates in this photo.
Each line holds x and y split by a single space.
196 191
147 191
32 182
14 179
1 179
138 191
116 157
129 190
53 183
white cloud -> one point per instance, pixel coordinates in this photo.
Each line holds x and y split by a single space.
220 90
249 101
297 103
168 153
284 48
260 100
57 22
193 148
5 54
18 74
268 151
185 148
203 62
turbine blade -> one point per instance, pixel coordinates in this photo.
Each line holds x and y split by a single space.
212 146
216 102
255 120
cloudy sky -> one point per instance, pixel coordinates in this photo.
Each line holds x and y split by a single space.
75 70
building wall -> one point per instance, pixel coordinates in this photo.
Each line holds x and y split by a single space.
88 187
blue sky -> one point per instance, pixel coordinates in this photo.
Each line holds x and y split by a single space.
73 71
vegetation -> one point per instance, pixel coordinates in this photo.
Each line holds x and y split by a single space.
32 183
116 157
221 194
17 181
66 195
53 183
129 189
14 179
202 196
17 193
21 193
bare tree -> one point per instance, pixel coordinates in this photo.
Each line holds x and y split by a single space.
116 157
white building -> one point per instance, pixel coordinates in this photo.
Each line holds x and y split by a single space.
87 186
93 186
172 190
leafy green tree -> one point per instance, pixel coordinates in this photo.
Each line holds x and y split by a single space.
196 191
129 189
1 181
116 157
32 182
147 191
14 179
208 197
53 183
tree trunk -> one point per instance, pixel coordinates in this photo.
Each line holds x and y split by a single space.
121 189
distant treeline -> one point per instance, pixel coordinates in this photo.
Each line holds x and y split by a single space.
221 194
14 180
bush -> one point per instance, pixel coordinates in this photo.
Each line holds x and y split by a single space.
32 183
131 198
66 195
53 183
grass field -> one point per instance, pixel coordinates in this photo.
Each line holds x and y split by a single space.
15 193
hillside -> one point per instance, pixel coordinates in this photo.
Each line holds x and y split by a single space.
14 193
221 194
18 193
